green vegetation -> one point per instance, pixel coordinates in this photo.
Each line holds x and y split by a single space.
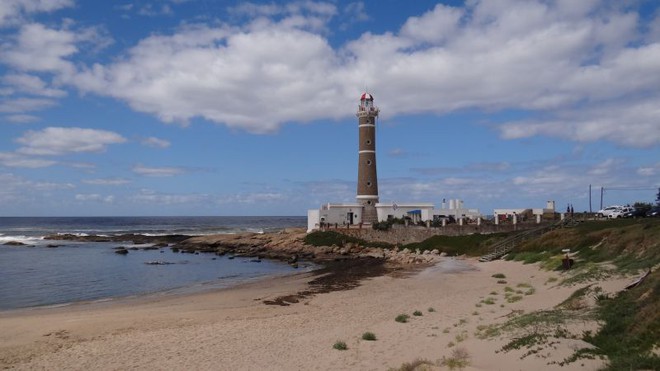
630 244
460 358
369 336
489 301
473 245
431 309
403 318
329 238
631 330
498 275
417 313
340 345
416 365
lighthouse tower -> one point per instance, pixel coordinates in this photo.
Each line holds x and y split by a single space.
367 185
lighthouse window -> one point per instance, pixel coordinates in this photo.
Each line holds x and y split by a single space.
368 142
369 162
368 184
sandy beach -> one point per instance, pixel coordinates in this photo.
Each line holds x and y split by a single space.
232 329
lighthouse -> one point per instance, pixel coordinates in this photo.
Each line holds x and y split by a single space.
367 185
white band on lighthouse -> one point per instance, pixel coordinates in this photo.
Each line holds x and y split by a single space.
367 151
370 125
366 197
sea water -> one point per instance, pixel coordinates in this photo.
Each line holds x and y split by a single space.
39 274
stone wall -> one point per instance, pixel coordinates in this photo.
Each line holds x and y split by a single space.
402 235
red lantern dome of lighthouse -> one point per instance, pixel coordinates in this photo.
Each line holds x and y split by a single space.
366 96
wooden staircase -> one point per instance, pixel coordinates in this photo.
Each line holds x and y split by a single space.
502 248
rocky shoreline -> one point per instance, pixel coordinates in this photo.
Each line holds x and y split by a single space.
286 245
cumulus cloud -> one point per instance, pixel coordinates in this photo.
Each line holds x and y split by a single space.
155 142
164 171
59 141
21 105
580 65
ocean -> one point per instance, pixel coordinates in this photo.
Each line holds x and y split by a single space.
47 273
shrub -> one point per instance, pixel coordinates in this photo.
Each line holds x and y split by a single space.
369 336
416 365
340 345
501 282
431 309
417 313
498 275
460 358
403 318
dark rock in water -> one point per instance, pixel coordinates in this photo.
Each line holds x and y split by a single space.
231 257
120 248
175 249
14 243
255 260
293 259
51 246
121 251
162 252
213 258
134 248
158 262
150 248
294 265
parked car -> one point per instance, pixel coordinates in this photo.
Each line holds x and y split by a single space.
618 213
635 213
654 212
607 211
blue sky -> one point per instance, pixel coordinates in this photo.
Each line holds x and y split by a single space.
199 107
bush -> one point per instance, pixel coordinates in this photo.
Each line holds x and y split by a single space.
431 309
403 318
369 336
417 313
340 345
498 275
460 358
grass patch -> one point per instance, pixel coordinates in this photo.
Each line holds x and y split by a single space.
472 245
513 298
340 345
402 318
503 282
329 238
489 301
431 309
417 313
369 336
631 330
416 365
459 359
498 275
509 289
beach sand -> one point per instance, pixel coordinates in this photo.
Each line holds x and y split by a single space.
232 329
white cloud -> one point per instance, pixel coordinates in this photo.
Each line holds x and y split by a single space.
155 142
41 49
107 181
22 119
482 56
59 141
33 85
20 105
18 160
12 12
148 196
94 197
157 171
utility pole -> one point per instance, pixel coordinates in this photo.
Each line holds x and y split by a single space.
601 198
590 198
